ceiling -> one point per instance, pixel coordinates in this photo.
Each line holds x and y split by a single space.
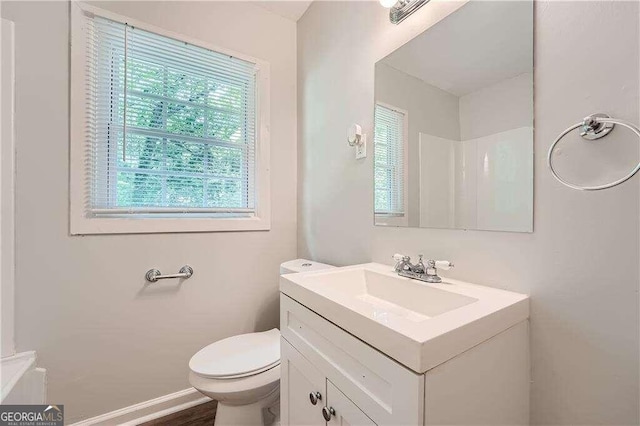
479 45
292 9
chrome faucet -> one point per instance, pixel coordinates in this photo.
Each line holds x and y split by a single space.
403 264
420 271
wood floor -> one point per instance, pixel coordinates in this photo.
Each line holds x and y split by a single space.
200 415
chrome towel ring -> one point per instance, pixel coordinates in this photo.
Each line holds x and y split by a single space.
594 127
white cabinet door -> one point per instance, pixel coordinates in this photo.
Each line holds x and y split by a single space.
389 393
302 389
341 411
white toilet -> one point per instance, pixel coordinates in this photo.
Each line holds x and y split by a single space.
242 372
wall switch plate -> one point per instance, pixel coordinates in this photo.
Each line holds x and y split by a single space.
361 148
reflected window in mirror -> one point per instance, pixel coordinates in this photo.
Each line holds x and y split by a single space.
390 159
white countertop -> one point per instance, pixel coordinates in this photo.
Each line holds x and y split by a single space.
418 324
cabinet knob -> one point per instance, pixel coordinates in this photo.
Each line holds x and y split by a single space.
314 397
327 412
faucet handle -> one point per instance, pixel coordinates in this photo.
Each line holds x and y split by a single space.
443 264
401 262
401 258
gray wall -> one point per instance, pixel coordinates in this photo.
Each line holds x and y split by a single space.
503 106
581 263
106 340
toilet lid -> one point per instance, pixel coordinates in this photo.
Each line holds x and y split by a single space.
238 356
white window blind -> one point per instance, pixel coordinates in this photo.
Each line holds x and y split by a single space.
170 126
389 161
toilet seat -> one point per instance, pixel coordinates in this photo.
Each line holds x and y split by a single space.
238 356
228 390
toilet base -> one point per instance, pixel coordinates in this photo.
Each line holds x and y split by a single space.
265 412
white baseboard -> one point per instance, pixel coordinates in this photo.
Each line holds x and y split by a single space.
148 410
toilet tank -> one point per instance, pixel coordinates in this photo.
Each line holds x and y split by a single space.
302 265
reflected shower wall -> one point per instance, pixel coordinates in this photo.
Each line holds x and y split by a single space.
483 183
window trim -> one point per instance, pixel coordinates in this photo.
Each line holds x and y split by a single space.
386 219
80 224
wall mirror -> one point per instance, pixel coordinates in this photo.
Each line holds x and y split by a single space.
453 121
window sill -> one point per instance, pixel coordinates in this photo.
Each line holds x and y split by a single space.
146 225
391 219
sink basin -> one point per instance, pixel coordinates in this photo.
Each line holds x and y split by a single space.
383 295
418 324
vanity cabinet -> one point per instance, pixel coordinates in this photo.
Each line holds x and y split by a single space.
311 398
342 410
303 389
324 367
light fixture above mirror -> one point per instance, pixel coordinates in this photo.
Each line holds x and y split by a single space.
401 9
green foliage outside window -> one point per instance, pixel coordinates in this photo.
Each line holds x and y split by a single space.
203 162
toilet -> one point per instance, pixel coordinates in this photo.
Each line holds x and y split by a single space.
242 372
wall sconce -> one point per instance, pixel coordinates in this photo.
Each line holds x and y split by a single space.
401 9
356 138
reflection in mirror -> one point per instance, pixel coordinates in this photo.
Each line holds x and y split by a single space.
453 121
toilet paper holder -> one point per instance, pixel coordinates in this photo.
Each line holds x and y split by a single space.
154 275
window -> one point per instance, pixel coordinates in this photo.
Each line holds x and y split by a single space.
390 153
169 131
